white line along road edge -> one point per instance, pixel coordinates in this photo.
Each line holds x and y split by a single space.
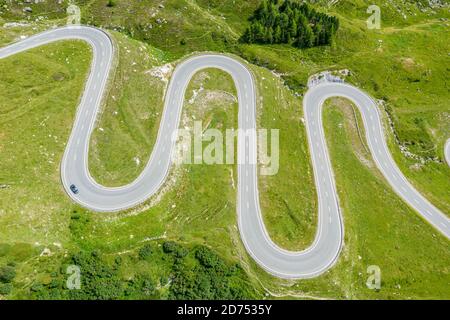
325 249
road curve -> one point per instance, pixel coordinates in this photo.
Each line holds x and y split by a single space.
325 249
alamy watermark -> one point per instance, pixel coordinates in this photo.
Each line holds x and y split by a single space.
212 146
374 21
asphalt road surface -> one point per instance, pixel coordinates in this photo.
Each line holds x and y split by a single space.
325 249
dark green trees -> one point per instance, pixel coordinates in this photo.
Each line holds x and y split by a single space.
292 23
7 274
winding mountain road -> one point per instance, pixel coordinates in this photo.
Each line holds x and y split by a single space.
325 249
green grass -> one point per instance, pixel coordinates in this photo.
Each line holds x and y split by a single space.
13 10
39 89
379 228
125 136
